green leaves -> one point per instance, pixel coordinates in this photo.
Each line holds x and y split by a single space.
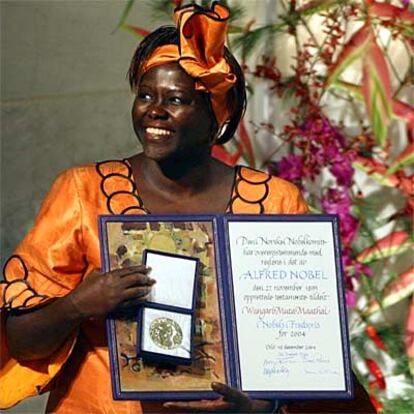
249 40
398 289
376 88
375 170
376 82
137 31
125 13
400 110
395 243
353 50
163 9
317 6
405 159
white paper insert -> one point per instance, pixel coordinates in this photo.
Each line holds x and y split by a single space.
286 302
167 333
175 278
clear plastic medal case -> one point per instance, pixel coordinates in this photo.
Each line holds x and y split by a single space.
166 321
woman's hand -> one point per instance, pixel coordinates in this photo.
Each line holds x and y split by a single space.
231 400
40 332
101 293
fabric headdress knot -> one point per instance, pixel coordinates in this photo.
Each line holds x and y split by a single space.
201 53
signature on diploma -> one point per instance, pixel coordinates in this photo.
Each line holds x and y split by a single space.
322 371
280 365
295 357
273 368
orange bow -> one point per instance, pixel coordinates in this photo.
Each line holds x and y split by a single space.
201 53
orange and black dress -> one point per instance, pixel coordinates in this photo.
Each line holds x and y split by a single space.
63 247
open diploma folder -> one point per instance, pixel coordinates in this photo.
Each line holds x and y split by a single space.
270 316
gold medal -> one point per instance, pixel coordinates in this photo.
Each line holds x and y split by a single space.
166 333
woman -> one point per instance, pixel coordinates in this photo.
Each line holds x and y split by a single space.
189 96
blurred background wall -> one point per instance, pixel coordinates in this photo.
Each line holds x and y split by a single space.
64 101
65 98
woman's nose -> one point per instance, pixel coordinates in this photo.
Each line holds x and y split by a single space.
156 111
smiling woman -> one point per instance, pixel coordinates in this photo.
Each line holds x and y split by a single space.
190 95
171 119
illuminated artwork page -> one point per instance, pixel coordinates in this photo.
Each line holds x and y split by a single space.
126 244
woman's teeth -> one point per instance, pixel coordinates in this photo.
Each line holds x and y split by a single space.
158 131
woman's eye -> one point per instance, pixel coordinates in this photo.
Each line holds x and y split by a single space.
144 96
176 100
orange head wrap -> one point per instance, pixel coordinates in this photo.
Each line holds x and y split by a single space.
201 53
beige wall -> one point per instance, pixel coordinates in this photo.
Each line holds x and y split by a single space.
65 100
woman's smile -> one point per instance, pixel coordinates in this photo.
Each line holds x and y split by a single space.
170 117
156 132
157 135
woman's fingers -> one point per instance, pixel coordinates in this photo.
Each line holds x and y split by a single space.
199 406
134 297
231 399
137 292
101 293
125 271
130 305
232 395
135 279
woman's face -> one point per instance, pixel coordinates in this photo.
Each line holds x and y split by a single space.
171 118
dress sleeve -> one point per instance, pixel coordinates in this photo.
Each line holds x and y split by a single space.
296 204
284 198
48 263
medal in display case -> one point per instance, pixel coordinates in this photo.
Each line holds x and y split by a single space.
166 321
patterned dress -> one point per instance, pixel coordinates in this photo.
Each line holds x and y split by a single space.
63 247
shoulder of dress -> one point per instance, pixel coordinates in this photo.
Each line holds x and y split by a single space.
280 184
252 176
274 183
257 192
98 170
106 187
114 167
